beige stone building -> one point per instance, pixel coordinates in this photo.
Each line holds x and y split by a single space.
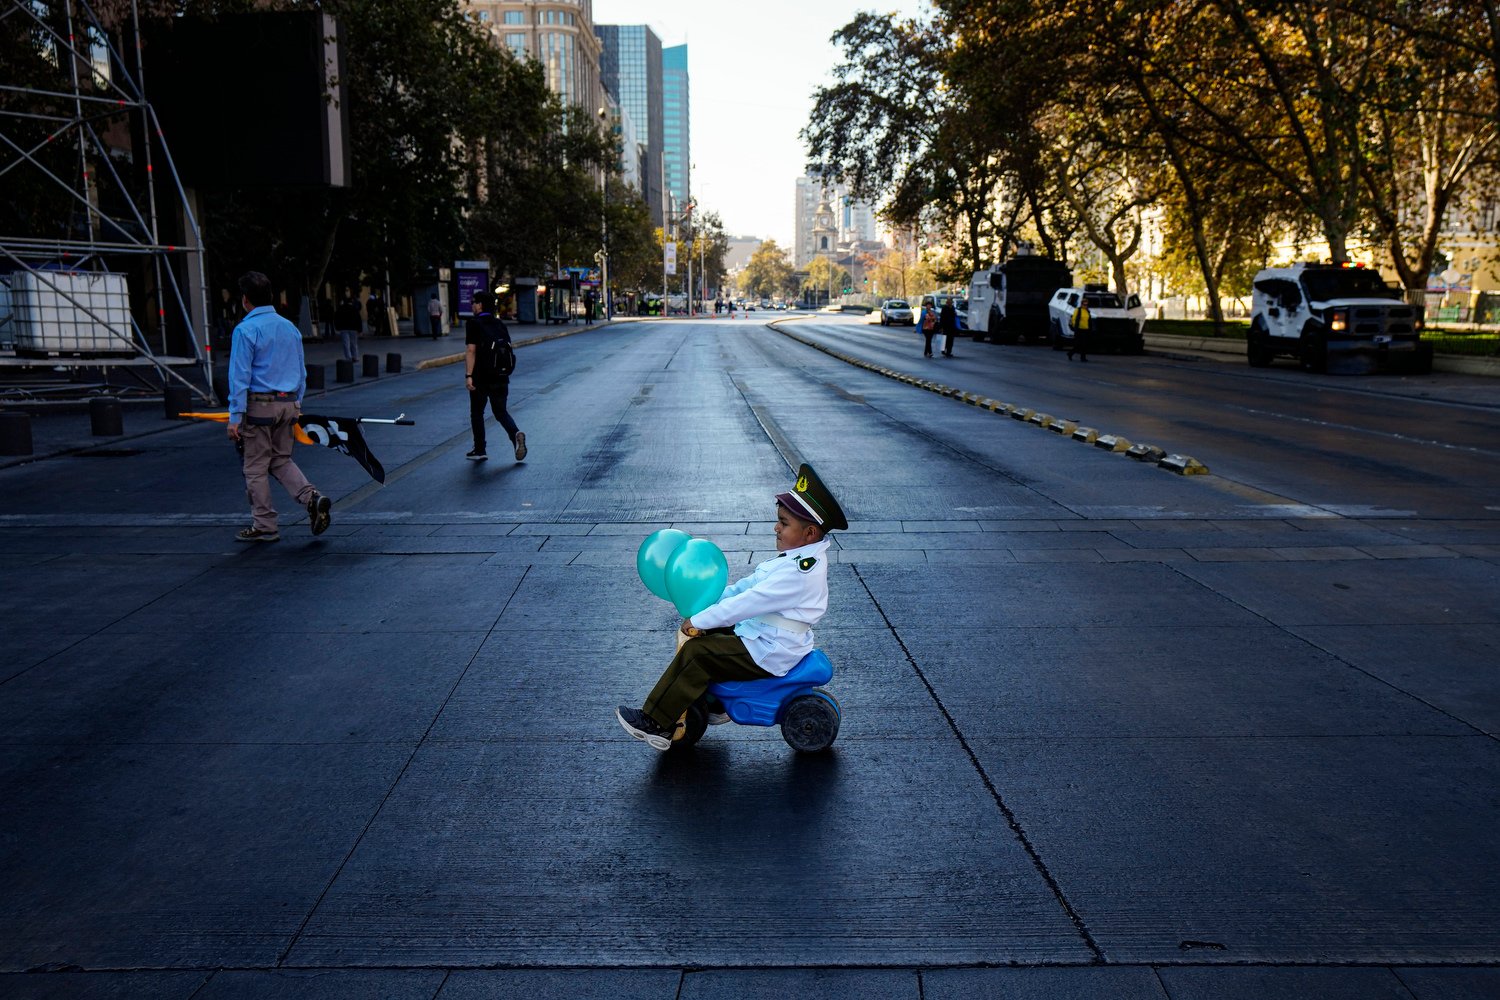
559 34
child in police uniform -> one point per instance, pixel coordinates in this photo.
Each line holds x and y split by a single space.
760 627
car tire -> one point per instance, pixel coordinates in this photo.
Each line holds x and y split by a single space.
1055 337
1258 350
1314 351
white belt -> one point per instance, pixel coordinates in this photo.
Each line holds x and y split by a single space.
783 622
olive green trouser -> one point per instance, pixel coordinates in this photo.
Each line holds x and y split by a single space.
714 656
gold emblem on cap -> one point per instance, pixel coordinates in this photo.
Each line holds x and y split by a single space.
802 484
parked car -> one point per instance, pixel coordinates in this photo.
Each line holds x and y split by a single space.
896 312
1113 324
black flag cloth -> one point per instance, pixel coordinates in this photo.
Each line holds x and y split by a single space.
342 434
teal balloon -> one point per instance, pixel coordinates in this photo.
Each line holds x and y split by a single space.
696 575
651 558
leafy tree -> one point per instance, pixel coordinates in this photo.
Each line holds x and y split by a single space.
634 243
768 272
1433 131
890 125
898 273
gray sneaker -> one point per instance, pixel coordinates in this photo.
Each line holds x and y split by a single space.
520 445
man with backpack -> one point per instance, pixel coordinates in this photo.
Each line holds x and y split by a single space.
488 361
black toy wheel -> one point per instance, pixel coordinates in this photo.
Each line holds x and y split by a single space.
811 722
697 722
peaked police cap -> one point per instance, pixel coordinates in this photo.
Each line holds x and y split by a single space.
811 501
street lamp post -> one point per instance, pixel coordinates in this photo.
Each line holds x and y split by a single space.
604 227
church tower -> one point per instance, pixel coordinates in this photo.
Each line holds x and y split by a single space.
824 233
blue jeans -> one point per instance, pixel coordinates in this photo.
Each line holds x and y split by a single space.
351 343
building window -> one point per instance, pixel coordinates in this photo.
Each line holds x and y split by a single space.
516 42
515 17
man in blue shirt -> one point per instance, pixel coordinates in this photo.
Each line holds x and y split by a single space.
267 376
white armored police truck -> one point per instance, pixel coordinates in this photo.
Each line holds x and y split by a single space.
1009 301
1334 317
1115 324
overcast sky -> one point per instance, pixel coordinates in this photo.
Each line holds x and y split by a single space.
752 69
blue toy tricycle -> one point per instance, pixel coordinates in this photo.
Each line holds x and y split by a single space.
808 715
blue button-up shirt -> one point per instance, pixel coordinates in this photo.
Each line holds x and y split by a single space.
265 356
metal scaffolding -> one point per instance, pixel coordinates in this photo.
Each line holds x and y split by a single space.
103 92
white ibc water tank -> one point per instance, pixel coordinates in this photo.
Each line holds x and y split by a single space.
70 312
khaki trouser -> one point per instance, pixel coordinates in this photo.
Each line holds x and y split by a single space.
718 655
266 433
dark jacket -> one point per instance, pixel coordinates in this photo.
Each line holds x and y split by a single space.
948 318
346 316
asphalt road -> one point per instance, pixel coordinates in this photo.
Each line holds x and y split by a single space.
1108 731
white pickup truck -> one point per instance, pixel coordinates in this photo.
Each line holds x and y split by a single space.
1114 324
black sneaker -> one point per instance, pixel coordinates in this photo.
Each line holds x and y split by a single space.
318 513
256 535
477 456
643 727
520 445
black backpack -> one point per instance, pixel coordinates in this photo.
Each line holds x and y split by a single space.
494 355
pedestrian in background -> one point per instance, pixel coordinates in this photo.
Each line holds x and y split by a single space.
435 316
375 313
267 375
488 361
347 321
927 322
948 321
1080 323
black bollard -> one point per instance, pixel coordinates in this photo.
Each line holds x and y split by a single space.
15 434
372 366
343 370
392 363
175 399
315 375
106 417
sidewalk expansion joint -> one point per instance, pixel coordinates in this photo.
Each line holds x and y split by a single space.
1010 817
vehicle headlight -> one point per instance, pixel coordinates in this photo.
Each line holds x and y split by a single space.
1338 320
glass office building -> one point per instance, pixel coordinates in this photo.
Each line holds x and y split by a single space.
676 149
630 68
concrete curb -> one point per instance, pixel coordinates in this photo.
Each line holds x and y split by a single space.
451 359
1068 429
